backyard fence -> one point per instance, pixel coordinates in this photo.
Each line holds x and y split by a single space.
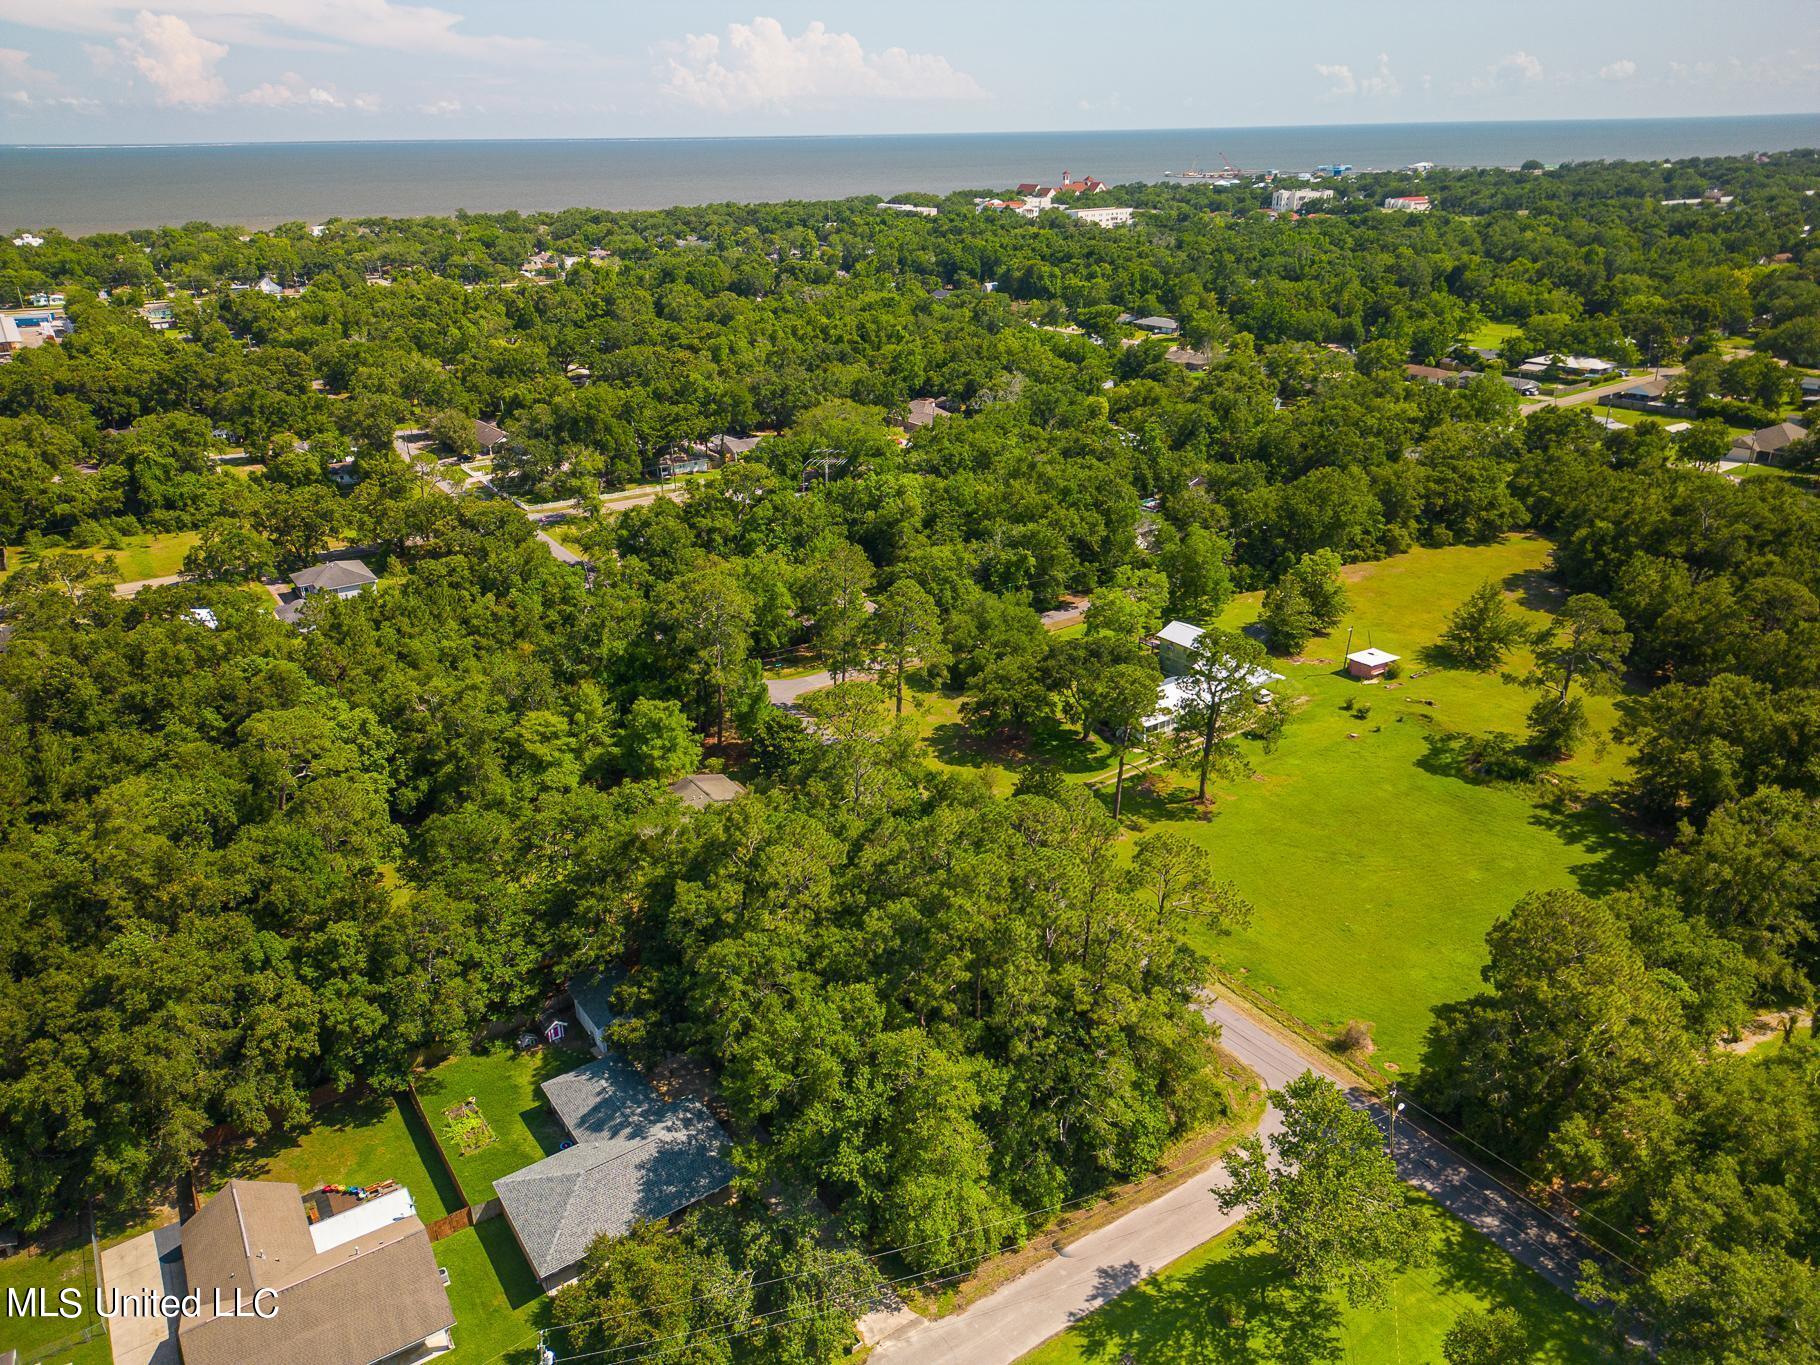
448 1168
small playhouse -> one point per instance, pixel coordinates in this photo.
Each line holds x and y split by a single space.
1369 664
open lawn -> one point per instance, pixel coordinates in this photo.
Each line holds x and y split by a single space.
138 557
498 1304
1376 861
69 1266
1226 1302
502 1082
937 715
1492 335
357 1142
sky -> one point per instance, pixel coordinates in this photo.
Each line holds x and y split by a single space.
98 72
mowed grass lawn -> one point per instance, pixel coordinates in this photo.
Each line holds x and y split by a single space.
498 1304
137 557
358 1142
503 1083
1492 335
1225 1302
1374 860
68 1266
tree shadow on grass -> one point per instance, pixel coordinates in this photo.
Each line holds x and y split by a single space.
1618 855
429 1154
1231 1308
509 1265
1466 1266
1536 589
1048 744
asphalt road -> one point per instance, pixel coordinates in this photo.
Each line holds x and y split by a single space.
1027 1312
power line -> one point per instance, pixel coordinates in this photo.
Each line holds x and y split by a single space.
875 1256
1530 1176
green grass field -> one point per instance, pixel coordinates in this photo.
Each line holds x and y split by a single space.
138 557
354 1143
1492 335
503 1082
69 1266
1225 1302
1375 860
498 1304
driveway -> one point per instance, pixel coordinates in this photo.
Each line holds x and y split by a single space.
1004 1325
152 1261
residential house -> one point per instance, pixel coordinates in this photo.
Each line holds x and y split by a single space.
1191 360
924 411
159 316
1175 644
335 577
701 790
43 300
1174 698
1523 384
1408 203
1085 185
1765 446
10 338
353 1288
489 438
1651 396
631 1157
1431 374
1810 389
920 210
269 286
1156 325
1295 200
1572 367
28 239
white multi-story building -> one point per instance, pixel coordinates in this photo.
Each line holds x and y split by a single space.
1293 201
1107 217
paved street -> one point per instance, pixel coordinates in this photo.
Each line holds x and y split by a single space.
1036 1306
1593 395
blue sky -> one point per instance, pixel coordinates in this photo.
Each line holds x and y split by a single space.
93 71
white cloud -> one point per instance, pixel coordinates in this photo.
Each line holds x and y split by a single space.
293 92
1621 70
35 88
759 66
16 68
440 108
1344 82
1507 74
1380 83
176 61
309 24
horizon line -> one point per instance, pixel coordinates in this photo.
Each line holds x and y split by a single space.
815 137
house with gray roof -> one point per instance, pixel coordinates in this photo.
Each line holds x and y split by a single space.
1766 444
633 1156
337 577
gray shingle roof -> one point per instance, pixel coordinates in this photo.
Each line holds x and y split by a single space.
635 1156
704 789
334 575
593 995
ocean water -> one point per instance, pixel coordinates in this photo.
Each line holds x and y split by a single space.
100 189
